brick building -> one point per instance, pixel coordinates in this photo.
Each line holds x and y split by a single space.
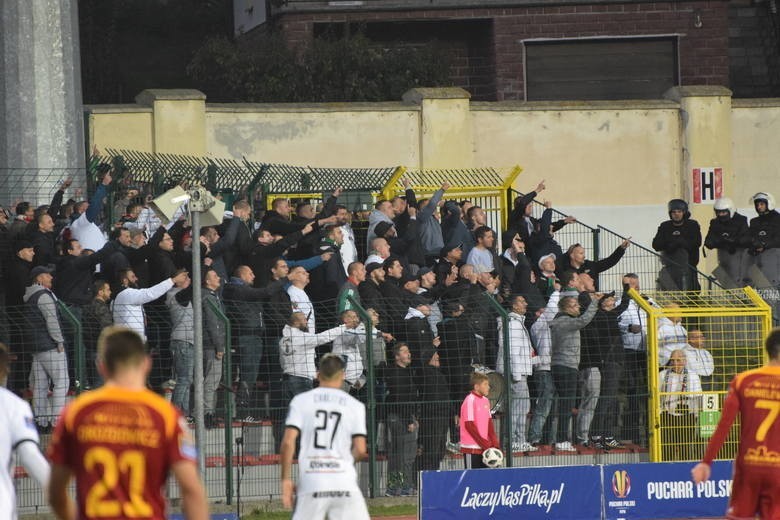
581 49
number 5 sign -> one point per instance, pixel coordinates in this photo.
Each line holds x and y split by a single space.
709 414
707 185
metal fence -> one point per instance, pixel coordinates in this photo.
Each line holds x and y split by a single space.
242 456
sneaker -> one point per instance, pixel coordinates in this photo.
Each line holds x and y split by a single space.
453 447
190 420
564 446
169 385
249 419
408 492
392 492
611 443
523 446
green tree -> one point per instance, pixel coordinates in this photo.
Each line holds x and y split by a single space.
328 70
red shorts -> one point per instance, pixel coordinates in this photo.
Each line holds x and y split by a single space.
755 492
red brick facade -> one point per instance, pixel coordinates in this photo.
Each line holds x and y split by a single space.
704 57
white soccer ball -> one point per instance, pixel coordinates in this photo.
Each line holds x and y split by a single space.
493 458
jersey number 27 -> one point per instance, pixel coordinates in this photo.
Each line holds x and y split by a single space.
327 425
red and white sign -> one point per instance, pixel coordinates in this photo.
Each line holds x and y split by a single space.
707 185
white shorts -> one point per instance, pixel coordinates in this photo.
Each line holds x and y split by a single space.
333 505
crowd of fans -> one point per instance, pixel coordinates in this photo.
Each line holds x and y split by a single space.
288 283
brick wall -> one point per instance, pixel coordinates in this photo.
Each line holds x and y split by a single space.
753 51
704 56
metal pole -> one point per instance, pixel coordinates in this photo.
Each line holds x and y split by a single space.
508 426
371 382
197 322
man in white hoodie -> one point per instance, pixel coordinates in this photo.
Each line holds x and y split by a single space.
128 306
542 376
672 335
522 357
296 354
633 326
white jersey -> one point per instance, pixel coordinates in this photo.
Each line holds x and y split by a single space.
16 426
301 303
327 419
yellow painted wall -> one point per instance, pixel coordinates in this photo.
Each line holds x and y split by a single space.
324 135
120 128
755 149
623 154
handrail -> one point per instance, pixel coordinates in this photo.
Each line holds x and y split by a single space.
507 421
227 378
711 280
557 213
371 382
600 236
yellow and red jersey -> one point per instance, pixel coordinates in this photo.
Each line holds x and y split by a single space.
120 445
755 395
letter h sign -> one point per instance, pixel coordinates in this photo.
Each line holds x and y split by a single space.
707 185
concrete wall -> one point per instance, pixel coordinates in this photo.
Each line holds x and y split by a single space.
609 163
325 135
755 155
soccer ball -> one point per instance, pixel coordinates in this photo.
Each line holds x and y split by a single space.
493 458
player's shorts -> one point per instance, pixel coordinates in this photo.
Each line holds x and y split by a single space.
755 493
333 505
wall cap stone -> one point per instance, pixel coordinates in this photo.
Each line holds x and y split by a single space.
530 106
417 95
389 106
149 96
755 103
679 93
116 109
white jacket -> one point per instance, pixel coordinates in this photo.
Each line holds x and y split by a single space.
348 345
633 315
699 361
348 250
128 306
540 332
521 350
671 337
87 233
301 303
296 349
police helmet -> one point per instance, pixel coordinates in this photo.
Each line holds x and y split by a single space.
678 204
765 197
725 204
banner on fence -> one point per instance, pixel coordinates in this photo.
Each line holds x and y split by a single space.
664 490
528 493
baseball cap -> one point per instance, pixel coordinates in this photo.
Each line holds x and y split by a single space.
22 244
38 270
423 271
373 266
382 228
446 249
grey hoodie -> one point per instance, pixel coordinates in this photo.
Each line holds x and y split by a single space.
374 218
565 333
430 230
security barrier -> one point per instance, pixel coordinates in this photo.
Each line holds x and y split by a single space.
609 491
703 340
241 452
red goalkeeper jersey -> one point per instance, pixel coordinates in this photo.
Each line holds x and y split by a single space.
120 445
755 395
